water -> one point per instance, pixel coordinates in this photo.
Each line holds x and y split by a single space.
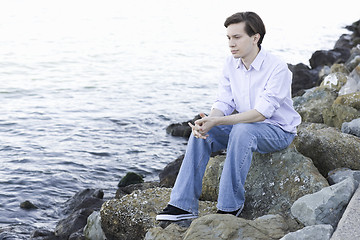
87 89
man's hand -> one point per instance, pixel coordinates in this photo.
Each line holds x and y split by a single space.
203 126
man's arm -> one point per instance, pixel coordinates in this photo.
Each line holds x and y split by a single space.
216 118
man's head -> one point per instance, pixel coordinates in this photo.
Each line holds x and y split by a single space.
253 24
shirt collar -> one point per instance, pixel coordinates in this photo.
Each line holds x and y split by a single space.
256 64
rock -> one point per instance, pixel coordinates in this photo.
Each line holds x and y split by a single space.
170 172
131 216
338 114
181 129
351 100
329 57
228 227
71 224
27 205
122 191
352 127
88 198
345 41
341 174
275 181
93 230
353 83
312 104
348 227
211 179
334 81
325 206
327 147
316 232
303 78
41 234
130 178
171 232
354 59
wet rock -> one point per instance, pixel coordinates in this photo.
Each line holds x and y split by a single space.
311 105
303 78
87 198
325 206
315 232
170 172
228 227
328 148
74 222
130 178
352 127
181 129
28 205
131 216
329 57
122 191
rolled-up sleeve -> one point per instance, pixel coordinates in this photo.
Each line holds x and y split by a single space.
225 100
276 90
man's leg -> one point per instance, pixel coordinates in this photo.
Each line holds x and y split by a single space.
187 189
244 139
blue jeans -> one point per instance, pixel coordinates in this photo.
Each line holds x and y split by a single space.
240 140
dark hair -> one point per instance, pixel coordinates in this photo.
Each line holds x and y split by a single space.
253 23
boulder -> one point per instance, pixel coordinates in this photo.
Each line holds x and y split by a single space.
348 227
341 174
329 57
353 83
275 181
170 172
171 232
315 232
130 178
312 104
303 78
73 223
93 230
325 206
352 127
334 81
181 129
122 191
228 227
338 114
328 147
131 216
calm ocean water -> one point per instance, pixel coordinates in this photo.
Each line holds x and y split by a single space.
87 89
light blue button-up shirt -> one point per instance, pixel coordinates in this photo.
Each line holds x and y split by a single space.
265 86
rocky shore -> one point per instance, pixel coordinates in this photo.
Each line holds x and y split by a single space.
308 191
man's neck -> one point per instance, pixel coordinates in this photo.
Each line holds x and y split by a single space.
247 61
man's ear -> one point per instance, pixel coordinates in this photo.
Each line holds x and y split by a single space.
256 37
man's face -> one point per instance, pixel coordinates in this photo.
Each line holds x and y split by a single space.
240 44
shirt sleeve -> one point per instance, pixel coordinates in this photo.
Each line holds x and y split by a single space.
225 100
277 89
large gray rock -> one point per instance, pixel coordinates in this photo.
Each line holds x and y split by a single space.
341 174
352 127
316 232
228 227
325 206
93 230
328 147
348 227
275 181
131 216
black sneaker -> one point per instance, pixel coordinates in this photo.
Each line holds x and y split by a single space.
236 213
171 213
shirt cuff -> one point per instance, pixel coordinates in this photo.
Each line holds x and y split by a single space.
224 107
265 108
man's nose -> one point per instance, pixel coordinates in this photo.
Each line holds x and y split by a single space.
231 43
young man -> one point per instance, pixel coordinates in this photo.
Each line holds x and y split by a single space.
253 112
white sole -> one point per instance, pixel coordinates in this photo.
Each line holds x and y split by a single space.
169 217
